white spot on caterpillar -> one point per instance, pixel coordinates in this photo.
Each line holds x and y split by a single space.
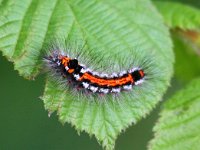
102 90
93 88
133 69
76 76
82 65
127 87
139 82
95 73
103 75
88 70
85 85
122 73
83 70
58 63
66 68
114 75
115 90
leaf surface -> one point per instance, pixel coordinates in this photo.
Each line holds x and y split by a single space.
179 122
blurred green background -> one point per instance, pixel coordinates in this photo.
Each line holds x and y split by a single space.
25 124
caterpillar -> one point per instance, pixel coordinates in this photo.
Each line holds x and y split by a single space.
94 82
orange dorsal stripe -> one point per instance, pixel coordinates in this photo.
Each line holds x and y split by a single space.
107 82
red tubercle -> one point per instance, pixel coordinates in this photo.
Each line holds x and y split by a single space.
141 72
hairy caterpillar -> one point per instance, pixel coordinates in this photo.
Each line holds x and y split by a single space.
80 76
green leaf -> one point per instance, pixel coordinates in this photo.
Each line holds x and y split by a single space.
178 15
119 31
179 123
187 66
